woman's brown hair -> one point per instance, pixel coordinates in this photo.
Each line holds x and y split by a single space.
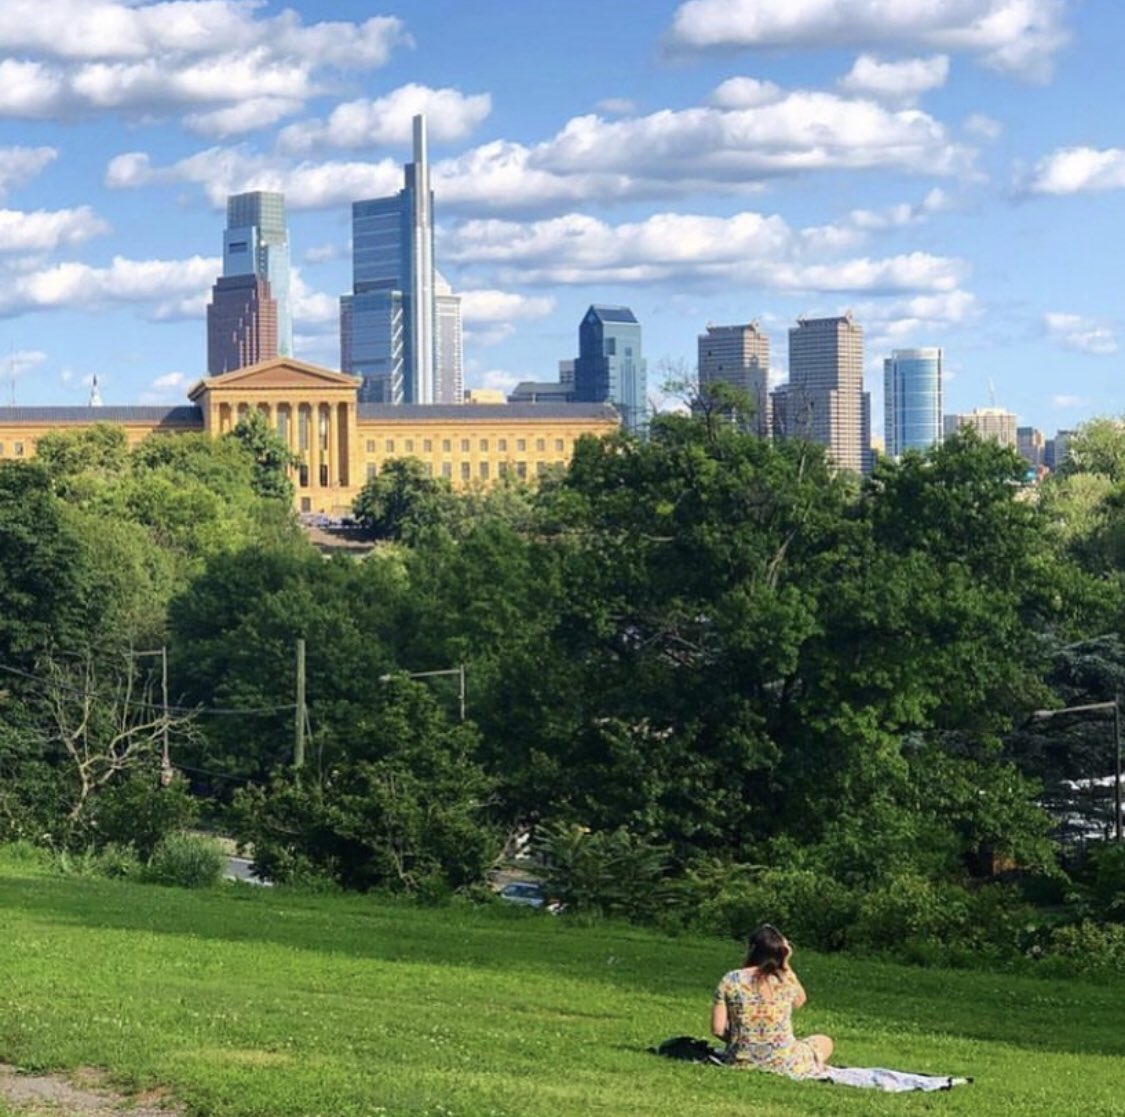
767 951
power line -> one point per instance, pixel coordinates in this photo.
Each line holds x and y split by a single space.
185 711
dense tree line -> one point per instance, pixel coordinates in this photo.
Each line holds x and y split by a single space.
705 658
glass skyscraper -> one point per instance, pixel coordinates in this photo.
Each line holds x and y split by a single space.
609 367
388 322
251 318
912 400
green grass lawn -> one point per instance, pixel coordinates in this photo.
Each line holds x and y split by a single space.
253 1002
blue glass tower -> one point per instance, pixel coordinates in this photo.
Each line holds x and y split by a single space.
610 367
256 242
387 323
912 399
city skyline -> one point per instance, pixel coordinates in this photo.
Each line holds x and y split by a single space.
717 165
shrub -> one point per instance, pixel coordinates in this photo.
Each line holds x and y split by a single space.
907 910
1086 948
610 873
137 811
813 910
186 861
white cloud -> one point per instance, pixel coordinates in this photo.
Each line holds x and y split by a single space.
135 29
921 319
1016 37
246 116
1075 170
803 130
900 83
1073 331
497 379
746 248
450 115
901 215
490 316
1069 401
324 253
80 286
663 155
616 106
745 93
46 230
982 127
487 305
19 165
238 70
223 171
311 308
169 381
20 361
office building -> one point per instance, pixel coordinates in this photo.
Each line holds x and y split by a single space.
449 351
912 400
990 423
1057 449
824 401
740 357
388 324
249 318
1031 445
610 367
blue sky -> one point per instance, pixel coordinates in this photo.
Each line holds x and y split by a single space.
952 172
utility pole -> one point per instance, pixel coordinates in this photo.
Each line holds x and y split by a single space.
299 746
166 773
1117 768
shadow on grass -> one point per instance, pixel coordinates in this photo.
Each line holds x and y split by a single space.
1021 1011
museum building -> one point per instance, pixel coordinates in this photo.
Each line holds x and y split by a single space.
339 441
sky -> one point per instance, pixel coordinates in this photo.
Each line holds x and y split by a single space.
950 171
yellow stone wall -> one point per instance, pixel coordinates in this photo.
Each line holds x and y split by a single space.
316 411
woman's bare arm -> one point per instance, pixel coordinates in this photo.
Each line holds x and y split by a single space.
801 996
719 1022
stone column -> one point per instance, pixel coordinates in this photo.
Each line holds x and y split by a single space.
333 448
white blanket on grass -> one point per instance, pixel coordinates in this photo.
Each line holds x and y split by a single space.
891 1081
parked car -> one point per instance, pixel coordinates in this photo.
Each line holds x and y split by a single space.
524 892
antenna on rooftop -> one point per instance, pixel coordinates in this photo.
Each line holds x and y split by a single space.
991 392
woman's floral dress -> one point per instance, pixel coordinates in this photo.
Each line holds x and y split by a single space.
760 1032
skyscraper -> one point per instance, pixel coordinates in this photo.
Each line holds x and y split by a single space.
609 367
912 400
388 323
993 423
449 355
249 317
739 356
824 402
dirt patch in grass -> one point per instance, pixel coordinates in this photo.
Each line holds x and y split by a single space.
81 1094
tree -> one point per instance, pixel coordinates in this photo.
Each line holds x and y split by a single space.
406 810
403 500
95 726
271 456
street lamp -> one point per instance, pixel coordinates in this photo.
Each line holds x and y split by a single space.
459 671
1092 707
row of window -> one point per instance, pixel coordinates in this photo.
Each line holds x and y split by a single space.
466 445
519 469
17 449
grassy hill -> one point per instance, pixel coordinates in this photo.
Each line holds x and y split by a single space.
252 1002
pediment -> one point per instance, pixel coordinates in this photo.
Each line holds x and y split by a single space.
283 373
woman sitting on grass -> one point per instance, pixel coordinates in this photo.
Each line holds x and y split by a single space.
752 1010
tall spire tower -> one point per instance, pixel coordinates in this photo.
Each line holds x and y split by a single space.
388 322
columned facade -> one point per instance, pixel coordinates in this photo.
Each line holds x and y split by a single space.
340 442
324 404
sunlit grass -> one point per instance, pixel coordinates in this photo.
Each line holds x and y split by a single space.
247 1002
